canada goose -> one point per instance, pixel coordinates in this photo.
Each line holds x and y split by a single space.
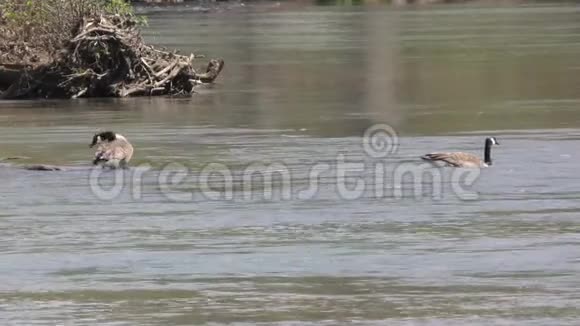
113 150
464 160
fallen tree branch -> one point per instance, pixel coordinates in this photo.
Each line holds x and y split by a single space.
41 167
166 69
107 57
13 158
213 70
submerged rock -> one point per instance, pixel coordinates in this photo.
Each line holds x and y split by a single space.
42 167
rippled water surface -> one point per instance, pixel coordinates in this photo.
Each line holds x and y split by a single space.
182 244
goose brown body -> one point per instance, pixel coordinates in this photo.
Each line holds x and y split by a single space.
456 159
464 160
113 150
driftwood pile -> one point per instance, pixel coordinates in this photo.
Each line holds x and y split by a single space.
108 58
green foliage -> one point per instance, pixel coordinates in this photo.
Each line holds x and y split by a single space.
123 8
118 7
46 24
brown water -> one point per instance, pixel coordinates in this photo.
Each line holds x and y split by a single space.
301 85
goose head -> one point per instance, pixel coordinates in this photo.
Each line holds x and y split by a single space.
106 136
491 141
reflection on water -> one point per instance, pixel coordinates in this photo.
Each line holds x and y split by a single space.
300 86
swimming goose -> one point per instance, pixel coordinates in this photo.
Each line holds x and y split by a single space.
113 150
464 160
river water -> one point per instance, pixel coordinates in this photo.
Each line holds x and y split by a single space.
189 240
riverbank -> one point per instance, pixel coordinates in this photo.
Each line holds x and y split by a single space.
129 68
95 52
